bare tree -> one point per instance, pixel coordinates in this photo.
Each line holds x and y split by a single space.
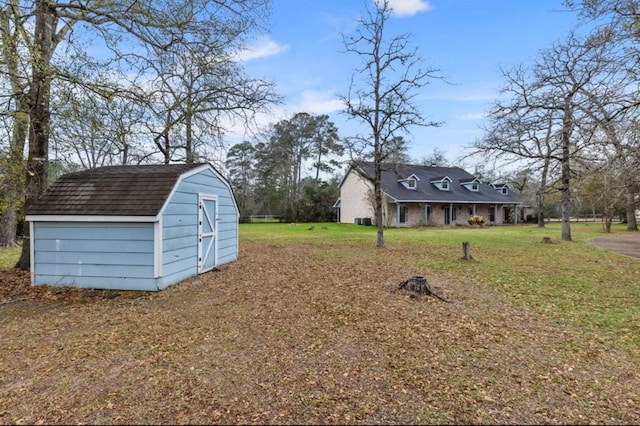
437 158
519 132
93 131
616 24
547 118
128 30
196 92
381 93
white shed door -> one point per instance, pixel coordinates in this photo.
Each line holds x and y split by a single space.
207 237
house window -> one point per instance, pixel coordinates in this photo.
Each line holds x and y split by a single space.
404 214
505 190
411 183
445 185
474 186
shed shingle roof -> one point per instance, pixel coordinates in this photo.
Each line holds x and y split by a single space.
426 191
111 191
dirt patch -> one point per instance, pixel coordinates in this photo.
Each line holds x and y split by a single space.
627 244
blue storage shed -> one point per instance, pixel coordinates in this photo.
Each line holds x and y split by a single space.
142 227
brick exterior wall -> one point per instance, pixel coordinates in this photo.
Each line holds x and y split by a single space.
416 215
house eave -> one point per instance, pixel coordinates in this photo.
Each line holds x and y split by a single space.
396 200
88 218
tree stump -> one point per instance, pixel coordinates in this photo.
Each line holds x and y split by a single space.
546 240
419 284
466 251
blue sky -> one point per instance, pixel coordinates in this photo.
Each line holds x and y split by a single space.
467 40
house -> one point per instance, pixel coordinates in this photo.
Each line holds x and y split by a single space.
416 195
142 227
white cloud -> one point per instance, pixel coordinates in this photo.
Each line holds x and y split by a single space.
315 102
263 48
408 7
309 101
473 116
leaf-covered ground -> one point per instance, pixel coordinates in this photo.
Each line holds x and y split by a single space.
299 333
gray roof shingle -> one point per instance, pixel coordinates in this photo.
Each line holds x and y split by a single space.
426 191
111 191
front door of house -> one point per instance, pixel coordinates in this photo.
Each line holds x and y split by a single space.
207 227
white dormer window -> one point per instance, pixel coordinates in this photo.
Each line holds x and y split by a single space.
410 183
472 185
503 189
443 184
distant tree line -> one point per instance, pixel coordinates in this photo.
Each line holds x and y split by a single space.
289 171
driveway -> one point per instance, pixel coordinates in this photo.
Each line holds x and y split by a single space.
627 244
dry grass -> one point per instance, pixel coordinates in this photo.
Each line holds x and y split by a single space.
297 332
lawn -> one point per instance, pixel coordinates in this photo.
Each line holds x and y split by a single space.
308 327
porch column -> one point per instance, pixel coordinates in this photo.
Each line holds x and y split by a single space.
397 215
495 214
515 214
425 214
473 210
451 214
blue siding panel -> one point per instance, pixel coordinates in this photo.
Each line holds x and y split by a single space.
81 269
94 255
97 232
121 283
71 245
94 258
170 244
180 209
170 220
178 231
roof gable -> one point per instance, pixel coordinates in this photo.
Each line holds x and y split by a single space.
139 190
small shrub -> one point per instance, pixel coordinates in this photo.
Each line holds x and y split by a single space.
476 220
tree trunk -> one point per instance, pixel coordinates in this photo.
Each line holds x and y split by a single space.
188 117
541 192
540 207
377 189
466 251
39 114
189 157
13 188
8 224
565 179
632 224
